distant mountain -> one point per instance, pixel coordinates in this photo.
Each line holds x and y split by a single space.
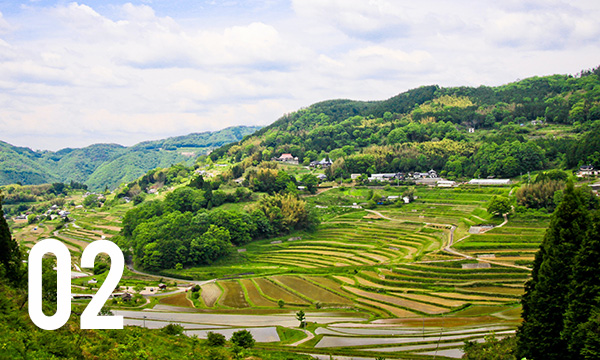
102 165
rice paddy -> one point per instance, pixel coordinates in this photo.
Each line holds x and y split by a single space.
386 268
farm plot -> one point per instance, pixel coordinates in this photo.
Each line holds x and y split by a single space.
210 294
233 294
254 296
178 299
311 291
275 292
358 244
400 302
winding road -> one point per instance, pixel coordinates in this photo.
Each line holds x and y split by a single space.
448 248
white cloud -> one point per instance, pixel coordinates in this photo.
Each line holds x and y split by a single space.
72 74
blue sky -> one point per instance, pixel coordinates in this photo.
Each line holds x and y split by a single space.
77 73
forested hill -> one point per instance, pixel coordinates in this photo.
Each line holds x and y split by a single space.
531 124
108 165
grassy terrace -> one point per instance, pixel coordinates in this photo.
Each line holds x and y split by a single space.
385 265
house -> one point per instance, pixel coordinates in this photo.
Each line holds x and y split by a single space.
384 177
587 170
471 130
287 158
322 177
325 163
354 176
489 182
162 286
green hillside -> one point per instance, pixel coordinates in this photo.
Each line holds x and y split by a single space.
502 131
102 165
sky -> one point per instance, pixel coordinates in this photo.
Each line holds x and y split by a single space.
77 73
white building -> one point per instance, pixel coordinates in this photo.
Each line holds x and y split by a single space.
489 182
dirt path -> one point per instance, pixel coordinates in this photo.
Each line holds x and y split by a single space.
448 248
195 282
309 336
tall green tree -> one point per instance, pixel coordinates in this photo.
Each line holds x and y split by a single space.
584 294
10 254
546 294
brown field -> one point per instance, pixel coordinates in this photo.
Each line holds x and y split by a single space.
471 297
347 280
178 299
405 303
326 282
210 294
497 290
277 292
401 313
233 295
434 300
311 291
254 295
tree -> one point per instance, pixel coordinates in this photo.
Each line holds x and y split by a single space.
215 339
281 303
300 316
584 294
90 201
10 253
311 182
243 338
499 205
546 294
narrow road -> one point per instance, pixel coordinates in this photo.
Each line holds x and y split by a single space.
195 282
309 336
448 248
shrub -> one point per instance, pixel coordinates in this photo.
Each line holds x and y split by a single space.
173 329
215 339
243 338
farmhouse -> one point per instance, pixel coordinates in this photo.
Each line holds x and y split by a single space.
287 158
488 182
587 170
325 163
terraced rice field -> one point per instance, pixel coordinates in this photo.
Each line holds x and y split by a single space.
233 295
355 243
254 296
310 291
276 293
389 264
210 294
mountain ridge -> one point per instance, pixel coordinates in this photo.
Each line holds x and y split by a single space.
107 164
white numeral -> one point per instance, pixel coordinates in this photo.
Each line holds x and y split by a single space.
89 318
63 281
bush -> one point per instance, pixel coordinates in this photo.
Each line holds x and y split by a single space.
215 339
173 329
243 338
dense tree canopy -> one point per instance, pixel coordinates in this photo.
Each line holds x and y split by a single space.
558 304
